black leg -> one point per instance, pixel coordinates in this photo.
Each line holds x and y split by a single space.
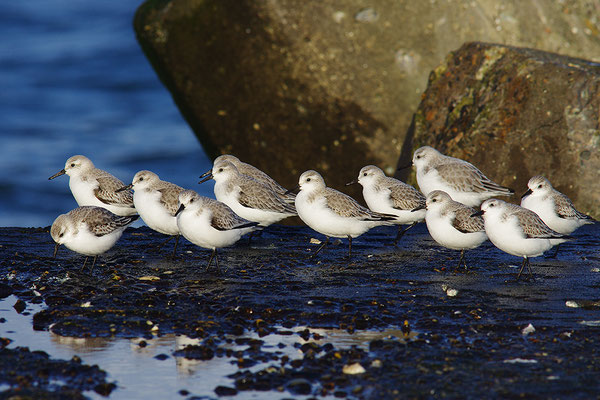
84 263
93 263
176 243
212 255
462 259
555 252
321 247
525 261
160 246
401 232
349 246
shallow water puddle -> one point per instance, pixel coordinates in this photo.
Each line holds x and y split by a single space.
151 370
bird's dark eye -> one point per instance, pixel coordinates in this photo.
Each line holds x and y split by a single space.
220 169
539 186
61 235
72 164
364 174
307 179
141 179
491 204
191 200
433 200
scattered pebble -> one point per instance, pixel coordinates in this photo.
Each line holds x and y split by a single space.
571 303
149 278
314 241
527 330
353 369
367 15
520 361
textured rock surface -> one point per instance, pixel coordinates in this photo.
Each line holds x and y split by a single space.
516 113
330 85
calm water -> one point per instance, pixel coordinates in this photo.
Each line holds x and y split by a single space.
73 80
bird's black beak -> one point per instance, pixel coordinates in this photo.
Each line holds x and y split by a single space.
180 209
207 176
410 164
124 188
55 250
294 190
421 207
527 193
477 214
59 173
351 182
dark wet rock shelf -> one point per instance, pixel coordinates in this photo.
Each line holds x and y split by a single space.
469 342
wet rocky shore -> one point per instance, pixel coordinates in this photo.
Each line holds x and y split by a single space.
456 333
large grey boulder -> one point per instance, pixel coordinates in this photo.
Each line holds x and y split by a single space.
331 85
514 113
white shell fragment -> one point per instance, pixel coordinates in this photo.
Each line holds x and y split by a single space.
353 369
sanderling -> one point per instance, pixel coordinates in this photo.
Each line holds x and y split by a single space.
94 187
157 202
554 208
518 231
460 179
451 224
89 230
390 196
333 213
210 223
255 173
247 197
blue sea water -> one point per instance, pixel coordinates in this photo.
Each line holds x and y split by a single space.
73 80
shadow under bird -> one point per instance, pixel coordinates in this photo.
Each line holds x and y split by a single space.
89 230
209 223
333 213
388 195
91 186
156 201
460 179
247 197
518 231
452 225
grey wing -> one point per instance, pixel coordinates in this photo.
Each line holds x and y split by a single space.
406 197
534 227
466 177
254 194
169 197
464 223
224 218
565 208
346 206
107 193
102 222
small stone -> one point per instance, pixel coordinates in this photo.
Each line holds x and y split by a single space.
353 369
527 330
299 386
225 391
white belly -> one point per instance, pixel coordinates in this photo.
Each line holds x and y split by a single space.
442 231
88 244
153 213
197 229
509 238
546 211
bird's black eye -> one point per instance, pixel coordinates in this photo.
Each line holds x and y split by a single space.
141 179
491 204
433 200
364 174
61 235
539 186
220 169
307 179
72 164
191 200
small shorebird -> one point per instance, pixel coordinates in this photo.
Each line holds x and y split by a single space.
94 187
451 224
518 231
209 223
255 173
247 197
461 180
333 213
89 230
388 195
554 208
157 202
